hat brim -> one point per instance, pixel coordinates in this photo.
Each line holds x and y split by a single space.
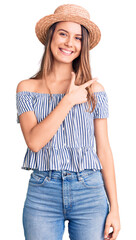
44 24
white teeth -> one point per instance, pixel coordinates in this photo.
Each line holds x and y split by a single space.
65 51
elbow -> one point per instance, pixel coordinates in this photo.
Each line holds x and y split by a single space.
33 147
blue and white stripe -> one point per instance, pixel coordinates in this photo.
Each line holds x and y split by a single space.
72 147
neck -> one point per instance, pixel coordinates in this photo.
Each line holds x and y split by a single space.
60 72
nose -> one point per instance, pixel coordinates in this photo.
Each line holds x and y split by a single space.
69 42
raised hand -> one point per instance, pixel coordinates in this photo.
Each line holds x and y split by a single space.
78 94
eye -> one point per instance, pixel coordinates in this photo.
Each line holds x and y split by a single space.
78 38
62 33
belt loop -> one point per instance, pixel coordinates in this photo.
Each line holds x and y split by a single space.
78 177
50 171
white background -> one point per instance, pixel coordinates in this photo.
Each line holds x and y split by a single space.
112 61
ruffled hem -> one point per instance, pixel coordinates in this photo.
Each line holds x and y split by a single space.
73 159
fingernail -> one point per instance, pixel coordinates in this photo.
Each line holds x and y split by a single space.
105 236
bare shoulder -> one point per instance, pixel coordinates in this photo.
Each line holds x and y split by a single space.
97 87
26 85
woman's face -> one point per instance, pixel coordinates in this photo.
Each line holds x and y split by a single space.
66 41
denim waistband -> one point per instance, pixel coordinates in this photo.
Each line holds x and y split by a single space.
70 174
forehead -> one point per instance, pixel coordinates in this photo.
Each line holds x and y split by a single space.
69 26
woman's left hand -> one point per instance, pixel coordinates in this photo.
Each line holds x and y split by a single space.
112 220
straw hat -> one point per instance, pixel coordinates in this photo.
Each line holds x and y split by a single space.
71 13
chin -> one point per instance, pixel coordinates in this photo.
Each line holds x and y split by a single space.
64 61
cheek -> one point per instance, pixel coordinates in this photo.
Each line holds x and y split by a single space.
53 46
56 41
78 46
52 43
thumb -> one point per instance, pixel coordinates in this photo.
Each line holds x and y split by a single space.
73 77
106 231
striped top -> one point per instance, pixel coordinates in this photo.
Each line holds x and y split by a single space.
72 147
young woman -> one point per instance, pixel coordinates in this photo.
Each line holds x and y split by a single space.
61 109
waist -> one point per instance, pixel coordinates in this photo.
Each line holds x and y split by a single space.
58 174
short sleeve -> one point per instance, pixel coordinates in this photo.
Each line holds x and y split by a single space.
24 103
102 106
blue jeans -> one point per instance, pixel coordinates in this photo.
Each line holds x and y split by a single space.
55 196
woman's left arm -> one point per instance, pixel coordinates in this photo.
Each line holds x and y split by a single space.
104 153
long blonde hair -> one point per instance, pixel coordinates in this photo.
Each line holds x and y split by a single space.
81 65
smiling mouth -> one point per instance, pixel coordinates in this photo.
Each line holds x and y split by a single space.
65 52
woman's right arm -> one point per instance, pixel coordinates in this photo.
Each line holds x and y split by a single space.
37 135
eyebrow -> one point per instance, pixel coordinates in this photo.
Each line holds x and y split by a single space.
67 31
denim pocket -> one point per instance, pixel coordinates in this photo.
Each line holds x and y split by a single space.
93 180
38 179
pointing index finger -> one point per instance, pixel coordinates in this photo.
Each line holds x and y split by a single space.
88 83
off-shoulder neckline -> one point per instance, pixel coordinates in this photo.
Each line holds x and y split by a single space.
54 94
40 93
